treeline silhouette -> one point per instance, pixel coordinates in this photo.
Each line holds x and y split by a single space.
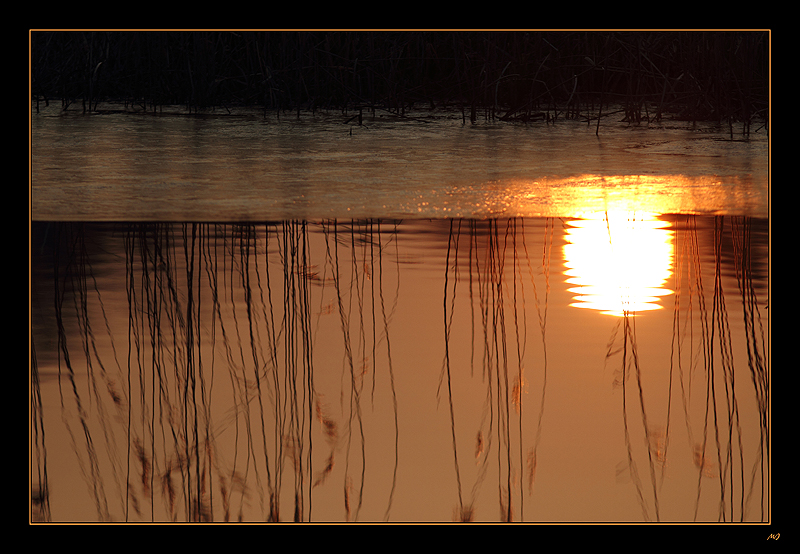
519 75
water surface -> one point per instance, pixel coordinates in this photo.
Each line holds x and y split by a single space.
245 167
239 318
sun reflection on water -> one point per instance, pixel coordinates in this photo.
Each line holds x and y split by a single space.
618 261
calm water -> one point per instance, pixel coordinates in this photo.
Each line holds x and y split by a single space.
238 318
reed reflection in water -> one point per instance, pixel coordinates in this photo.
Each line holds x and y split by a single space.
381 370
703 395
496 265
218 312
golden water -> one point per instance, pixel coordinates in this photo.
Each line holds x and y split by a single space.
234 318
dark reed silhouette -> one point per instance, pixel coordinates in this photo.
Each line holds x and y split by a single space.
512 76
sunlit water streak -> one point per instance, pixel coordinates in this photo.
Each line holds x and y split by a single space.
244 167
620 262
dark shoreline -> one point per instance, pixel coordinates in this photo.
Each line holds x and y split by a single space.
509 76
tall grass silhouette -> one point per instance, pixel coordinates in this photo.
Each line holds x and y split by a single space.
511 76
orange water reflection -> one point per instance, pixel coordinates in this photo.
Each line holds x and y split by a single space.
618 262
657 194
342 371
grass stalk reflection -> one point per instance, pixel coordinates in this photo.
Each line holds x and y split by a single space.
200 298
497 284
730 465
279 372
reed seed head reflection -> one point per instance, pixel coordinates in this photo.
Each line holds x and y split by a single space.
618 262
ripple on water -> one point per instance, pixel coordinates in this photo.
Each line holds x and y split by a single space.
119 166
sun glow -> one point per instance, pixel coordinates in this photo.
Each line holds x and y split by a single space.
618 262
